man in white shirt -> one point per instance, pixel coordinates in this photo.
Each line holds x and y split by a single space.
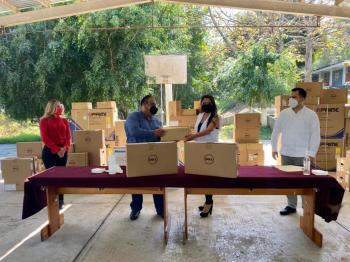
299 127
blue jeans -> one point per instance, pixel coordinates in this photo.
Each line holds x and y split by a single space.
136 203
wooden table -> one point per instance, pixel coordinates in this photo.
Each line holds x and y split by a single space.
307 221
56 218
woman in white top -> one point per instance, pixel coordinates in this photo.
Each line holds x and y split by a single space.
207 128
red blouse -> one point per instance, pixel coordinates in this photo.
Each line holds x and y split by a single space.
55 133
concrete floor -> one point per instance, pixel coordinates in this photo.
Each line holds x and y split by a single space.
242 228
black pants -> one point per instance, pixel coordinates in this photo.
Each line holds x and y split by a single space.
50 160
137 199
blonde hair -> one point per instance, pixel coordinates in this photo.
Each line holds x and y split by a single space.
51 107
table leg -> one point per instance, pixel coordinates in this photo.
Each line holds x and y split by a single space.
166 217
55 218
185 227
307 221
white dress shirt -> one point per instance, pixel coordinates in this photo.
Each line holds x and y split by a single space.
300 133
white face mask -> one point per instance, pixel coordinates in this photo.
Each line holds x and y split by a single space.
293 103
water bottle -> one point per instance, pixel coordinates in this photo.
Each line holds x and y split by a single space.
306 165
112 163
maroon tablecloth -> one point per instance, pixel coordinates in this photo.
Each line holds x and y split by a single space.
328 198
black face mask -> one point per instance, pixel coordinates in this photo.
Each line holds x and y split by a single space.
153 110
208 108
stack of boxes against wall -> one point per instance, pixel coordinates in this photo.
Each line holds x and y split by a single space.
247 134
329 104
104 117
15 170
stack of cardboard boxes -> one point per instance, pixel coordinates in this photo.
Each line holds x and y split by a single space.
15 170
247 133
91 144
182 117
103 117
329 104
331 113
77 159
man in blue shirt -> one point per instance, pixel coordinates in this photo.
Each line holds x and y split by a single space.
143 127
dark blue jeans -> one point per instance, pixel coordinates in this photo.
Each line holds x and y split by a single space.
50 160
136 203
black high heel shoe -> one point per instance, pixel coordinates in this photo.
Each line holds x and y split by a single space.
200 208
208 207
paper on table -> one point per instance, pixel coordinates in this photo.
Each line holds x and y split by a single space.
290 168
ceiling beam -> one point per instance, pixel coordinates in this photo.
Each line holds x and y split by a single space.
65 11
275 6
45 3
6 4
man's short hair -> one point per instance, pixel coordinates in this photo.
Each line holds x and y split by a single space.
300 91
144 100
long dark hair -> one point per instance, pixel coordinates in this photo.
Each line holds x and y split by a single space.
215 111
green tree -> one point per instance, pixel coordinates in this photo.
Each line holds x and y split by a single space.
98 57
257 76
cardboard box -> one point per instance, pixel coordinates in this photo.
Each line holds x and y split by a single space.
331 118
150 159
92 142
189 112
15 171
107 104
246 135
78 159
326 155
211 159
343 179
98 157
85 139
100 118
347 111
312 101
334 96
29 149
187 121
81 117
174 108
313 89
71 148
197 105
82 105
347 136
120 155
120 133
39 165
343 164
247 120
251 154
175 133
281 103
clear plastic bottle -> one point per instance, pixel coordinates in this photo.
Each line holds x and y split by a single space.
112 163
306 164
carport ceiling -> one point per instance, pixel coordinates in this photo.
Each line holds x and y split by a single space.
17 12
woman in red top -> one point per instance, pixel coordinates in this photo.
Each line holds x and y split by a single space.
55 134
